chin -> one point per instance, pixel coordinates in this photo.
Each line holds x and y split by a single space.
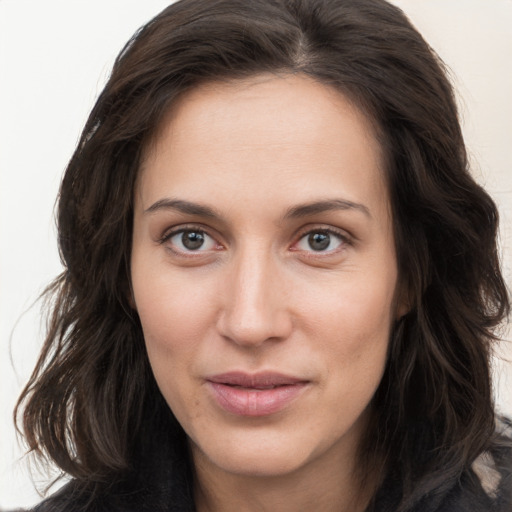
258 455
262 465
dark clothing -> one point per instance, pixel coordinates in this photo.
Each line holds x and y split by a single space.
162 482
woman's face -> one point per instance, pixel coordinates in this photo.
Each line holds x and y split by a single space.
264 272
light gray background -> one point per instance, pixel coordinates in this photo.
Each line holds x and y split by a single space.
55 56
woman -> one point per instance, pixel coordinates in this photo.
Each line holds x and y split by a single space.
281 281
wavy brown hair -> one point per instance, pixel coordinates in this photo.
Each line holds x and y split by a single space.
85 405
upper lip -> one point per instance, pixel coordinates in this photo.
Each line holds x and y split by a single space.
255 380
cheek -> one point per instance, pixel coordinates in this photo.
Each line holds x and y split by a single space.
357 355
352 326
356 307
175 320
175 316
171 306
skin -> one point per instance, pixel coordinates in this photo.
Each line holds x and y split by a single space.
256 296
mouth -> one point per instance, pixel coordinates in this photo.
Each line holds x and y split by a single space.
258 394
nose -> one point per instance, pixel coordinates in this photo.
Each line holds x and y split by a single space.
255 306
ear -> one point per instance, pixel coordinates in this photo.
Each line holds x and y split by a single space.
127 285
404 302
130 296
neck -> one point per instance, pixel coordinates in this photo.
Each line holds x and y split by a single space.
326 484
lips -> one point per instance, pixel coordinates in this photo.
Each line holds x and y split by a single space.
254 394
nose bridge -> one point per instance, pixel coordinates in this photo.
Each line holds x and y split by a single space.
255 310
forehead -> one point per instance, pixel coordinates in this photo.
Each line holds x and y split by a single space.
288 130
267 104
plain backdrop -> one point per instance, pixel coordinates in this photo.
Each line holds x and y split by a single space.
55 56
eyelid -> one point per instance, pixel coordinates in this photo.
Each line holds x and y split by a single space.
170 231
346 238
181 228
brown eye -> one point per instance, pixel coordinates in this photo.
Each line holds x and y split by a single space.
321 240
191 240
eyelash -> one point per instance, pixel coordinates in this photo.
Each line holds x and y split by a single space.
184 229
345 240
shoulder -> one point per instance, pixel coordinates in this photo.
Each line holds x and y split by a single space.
73 497
157 490
487 485
123 498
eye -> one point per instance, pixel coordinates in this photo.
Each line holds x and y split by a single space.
321 240
190 240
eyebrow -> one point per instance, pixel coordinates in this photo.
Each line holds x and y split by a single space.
186 207
308 209
296 212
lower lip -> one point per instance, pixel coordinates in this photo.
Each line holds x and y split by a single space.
254 402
